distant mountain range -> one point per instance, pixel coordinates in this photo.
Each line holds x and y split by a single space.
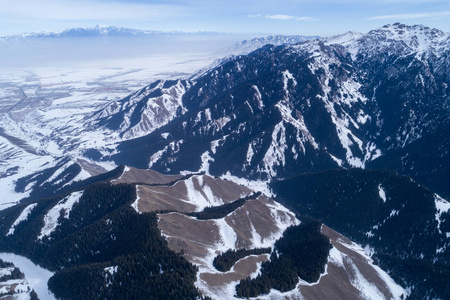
102 30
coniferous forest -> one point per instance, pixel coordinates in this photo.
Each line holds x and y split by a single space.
225 261
301 252
105 250
349 201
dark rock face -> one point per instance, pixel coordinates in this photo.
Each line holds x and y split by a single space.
281 111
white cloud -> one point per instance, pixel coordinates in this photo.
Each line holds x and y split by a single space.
288 17
412 16
280 17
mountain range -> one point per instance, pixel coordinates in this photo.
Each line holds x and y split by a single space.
351 130
98 31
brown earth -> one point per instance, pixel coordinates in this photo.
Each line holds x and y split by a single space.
146 176
175 197
194 237
256 213
241 270
156 198
336 284
186 233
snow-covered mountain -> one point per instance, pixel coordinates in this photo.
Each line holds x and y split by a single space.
99 30
144 111
247 46
378 100
280 111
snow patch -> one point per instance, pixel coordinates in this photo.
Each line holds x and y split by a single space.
22 217
368 291
199 199
275 153
156 157
51 218
258 97
227 234
36 276
382 193
442 206
125 170
206 161
254 185
134 205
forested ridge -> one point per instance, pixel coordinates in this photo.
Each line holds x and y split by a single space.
43 187
103 231
301 252
221 211
376 208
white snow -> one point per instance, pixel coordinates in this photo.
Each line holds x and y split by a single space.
337 160
442 206
303 135
203 198
206 160
156 157
109 273
368 290
54 149
36 276
255 185
258 97
275 154
51 218
22 217
382 193
134 205
250 154
111 270
228 235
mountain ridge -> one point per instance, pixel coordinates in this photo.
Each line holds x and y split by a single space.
101 30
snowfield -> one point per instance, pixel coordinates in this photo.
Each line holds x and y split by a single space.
36 276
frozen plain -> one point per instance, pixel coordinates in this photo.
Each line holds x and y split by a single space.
49 87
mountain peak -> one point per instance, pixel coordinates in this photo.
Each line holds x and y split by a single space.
344 38
418 38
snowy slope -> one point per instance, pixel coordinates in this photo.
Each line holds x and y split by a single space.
35 277
51 218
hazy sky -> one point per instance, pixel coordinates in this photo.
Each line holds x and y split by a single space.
305 17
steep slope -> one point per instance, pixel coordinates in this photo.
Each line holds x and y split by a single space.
337 102
376 209
143 111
